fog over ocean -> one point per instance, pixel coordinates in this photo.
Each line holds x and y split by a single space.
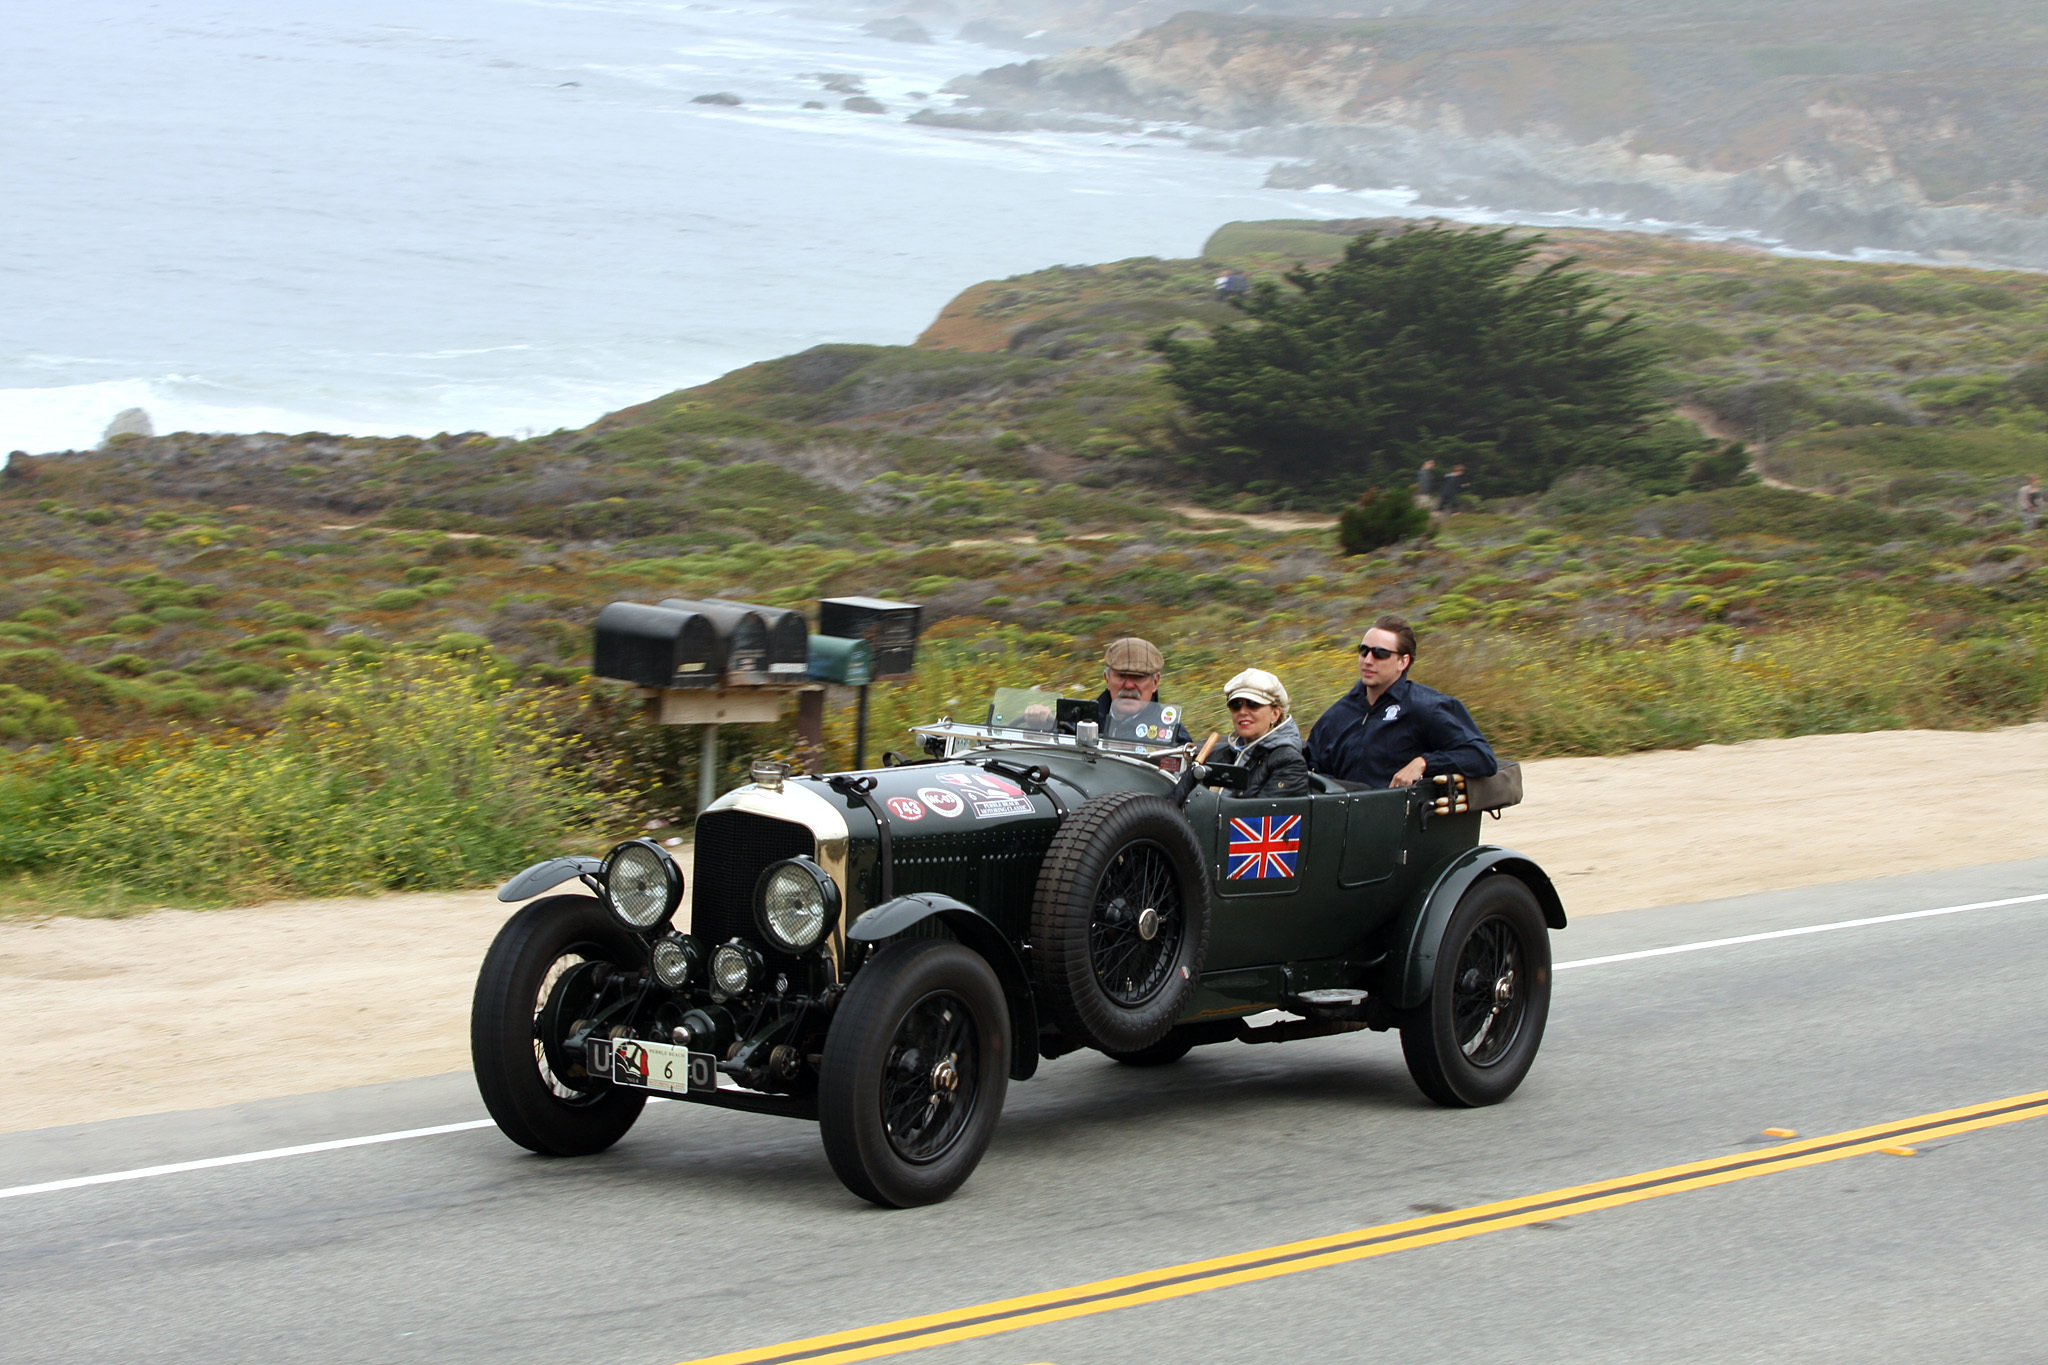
508 215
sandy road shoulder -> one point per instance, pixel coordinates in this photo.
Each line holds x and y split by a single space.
352 992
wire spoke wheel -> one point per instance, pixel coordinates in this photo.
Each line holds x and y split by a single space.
1490 995
568 993
1473 1039
915 1066
929 1079
1135 931
549 969
1120 921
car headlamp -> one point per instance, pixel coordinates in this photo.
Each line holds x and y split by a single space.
642 884
735 967
677 958
795 904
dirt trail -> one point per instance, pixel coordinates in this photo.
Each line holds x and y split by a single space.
1265 521
177 1010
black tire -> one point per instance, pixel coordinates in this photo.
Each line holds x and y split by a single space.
1473 1040
1109 985
540 1097
1165 1052
904 1125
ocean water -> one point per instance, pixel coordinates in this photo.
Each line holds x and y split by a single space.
386 217
508 215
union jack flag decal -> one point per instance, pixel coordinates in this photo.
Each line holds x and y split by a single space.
1264 846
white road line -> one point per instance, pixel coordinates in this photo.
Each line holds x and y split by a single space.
177 1167
1794 933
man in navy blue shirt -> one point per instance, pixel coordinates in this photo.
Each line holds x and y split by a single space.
1390 732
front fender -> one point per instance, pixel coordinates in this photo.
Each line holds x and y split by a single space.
552 872
974 929
1419 930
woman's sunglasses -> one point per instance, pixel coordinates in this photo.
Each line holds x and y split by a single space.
1378 651
1243 703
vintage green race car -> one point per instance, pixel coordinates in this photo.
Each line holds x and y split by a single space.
883 951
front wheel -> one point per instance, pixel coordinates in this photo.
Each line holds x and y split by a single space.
1473 1040
547 968
914 1072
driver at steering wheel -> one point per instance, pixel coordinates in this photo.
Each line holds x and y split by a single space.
1131 669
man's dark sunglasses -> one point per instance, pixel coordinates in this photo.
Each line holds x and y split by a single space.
1378 651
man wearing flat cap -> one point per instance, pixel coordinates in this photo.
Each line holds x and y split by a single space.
1130 681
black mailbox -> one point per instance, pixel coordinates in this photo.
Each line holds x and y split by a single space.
656 646
789 649
742 636
890 628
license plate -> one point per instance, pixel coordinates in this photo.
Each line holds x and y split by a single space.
653 1066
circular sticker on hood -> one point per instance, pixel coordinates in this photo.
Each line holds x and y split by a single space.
943 803
1168 715
903 808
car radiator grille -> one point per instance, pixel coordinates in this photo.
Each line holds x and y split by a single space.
733 846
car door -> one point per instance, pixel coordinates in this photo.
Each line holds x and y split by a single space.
1274 864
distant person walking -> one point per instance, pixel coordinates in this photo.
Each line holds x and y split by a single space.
1233 284
2028 501
1425 483
1453 486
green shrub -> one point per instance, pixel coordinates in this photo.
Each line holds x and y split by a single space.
1724 468
415 774
1588 490
397 599
26 715
40 616
1380 518
134 623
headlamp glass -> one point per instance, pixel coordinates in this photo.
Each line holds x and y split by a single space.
677 958
732 968
642 884
795 903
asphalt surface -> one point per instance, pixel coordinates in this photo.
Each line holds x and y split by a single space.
706 1231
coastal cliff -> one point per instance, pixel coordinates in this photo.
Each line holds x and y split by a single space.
1889 125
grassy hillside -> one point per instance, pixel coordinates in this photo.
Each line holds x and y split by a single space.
214 601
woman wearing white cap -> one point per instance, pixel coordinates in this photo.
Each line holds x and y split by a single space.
1267 741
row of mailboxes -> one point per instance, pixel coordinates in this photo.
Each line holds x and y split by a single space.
715 643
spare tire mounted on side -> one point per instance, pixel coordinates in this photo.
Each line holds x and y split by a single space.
1120 921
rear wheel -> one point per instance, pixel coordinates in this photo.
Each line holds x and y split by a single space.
914 1072
544 971
1473 1040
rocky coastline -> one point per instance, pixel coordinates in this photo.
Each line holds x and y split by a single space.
1913 142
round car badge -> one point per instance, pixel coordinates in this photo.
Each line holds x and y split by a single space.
903 808
1168 715
943 803
1144 732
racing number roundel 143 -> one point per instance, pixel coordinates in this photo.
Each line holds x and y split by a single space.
903 808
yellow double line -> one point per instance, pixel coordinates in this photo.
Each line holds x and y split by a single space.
1198 1277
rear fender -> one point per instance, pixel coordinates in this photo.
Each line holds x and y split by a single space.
553 872
975 930
1419 931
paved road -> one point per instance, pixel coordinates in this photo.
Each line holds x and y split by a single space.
706 1231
